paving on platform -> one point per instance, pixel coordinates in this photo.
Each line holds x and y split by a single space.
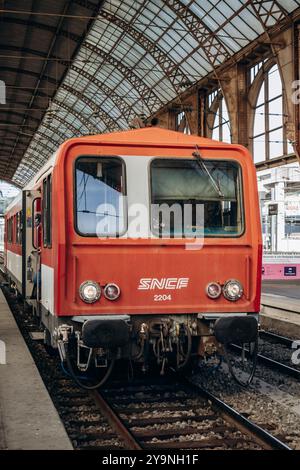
28 418
280 309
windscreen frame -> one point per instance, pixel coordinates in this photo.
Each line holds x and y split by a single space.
124 194
205 160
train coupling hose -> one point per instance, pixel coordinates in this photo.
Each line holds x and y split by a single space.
62 334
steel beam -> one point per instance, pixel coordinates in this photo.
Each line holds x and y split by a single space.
109 122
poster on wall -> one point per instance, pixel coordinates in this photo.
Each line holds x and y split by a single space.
290 270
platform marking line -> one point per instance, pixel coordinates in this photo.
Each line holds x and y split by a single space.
2 352
2 92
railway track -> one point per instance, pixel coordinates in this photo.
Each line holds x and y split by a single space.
271 362
268 335
177 414
287 345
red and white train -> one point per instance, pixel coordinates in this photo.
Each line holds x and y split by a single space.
87 246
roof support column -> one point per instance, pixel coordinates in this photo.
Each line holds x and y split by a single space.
235 91
190 105
286 49
295 102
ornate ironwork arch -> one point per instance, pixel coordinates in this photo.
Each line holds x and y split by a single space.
74 113
121 104
107 119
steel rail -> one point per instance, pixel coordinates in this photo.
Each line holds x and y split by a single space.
115 421
267 361
263 334
259 435
266 439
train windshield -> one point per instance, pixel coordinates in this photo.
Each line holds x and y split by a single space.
100 187
191 199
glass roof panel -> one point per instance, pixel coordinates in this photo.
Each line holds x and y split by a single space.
125 66
289 5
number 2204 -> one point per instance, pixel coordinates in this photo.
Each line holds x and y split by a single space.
162 297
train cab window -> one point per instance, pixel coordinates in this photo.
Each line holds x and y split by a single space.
99 202
47 211
192 199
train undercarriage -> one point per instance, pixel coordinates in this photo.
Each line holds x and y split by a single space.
90 346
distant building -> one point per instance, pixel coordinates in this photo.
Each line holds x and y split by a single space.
279 191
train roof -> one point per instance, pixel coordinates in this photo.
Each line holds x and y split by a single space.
150 135
145 136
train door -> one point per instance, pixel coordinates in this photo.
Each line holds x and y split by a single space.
31 246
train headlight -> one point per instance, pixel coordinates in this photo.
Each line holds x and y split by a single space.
232 290
90 291
213 290
111 291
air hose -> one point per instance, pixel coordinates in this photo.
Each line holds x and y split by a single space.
189 348
251 375
78 381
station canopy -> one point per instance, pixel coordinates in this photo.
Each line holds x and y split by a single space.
85 67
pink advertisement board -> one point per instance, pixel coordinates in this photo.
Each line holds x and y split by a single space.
287 271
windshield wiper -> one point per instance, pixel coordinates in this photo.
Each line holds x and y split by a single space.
201 162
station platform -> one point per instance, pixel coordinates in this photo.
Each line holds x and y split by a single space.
280 310
28 418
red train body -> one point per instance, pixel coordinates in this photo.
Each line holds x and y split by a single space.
87 247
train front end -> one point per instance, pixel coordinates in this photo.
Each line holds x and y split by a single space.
161 250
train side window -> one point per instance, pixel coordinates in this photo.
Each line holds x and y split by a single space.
9 231
19 228
47 209
14 228
36 223
44 209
